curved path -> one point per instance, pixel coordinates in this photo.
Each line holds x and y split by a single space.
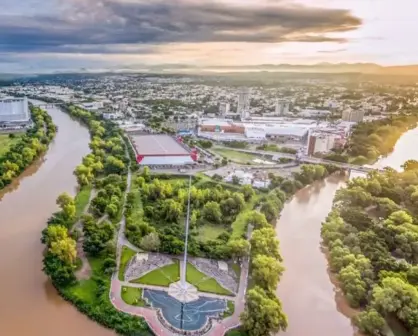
150 315
84 272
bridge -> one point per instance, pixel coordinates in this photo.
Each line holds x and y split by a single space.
309 159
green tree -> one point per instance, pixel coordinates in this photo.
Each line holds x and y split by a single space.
410 165
248 191
264 241
67 205
146 174
266 271
370 322
239 248
263 314
54 233
150 242
257 219
65 250
212 212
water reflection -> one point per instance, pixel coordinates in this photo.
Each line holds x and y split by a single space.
311 300
29 304
32 169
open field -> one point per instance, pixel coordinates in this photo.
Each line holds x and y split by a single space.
210 232
232 155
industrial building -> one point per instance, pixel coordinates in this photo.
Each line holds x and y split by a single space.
161 150
14 112
323 142
256 129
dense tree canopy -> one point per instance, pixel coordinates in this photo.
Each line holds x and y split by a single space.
29 147
372 237
369 140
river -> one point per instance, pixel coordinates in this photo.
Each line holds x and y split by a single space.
311 301
29 305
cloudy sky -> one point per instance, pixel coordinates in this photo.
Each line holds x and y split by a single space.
47 35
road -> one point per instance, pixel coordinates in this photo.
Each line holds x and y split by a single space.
309 159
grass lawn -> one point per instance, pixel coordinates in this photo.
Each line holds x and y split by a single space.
137 211
230 309
81 199
239 225
210 232
163 276
6 142
127 254
236 156
132 296
210 285
85 290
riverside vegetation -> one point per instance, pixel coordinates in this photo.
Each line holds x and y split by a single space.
27 148
372 238
104 169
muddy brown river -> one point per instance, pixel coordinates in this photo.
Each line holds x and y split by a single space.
311 301
29 305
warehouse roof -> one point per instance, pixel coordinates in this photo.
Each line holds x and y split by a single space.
158 145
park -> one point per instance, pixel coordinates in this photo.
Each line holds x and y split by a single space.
141 251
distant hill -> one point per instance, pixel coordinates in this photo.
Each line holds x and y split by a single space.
167 69
364 68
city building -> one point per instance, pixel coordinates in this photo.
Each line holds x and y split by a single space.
92 106
322 142
353 115
282 107
224 109
14 112
161 150
243 108
309 113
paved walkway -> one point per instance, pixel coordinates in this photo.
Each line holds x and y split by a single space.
84 272
150 315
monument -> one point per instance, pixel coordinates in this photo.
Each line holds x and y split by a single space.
182 290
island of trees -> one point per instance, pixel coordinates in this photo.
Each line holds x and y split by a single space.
25 149
372 238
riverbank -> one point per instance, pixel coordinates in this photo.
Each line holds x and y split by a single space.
105 169
21 151
30 305
373 251
371 141
381 239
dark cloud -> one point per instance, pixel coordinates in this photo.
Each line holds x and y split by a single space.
107 26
